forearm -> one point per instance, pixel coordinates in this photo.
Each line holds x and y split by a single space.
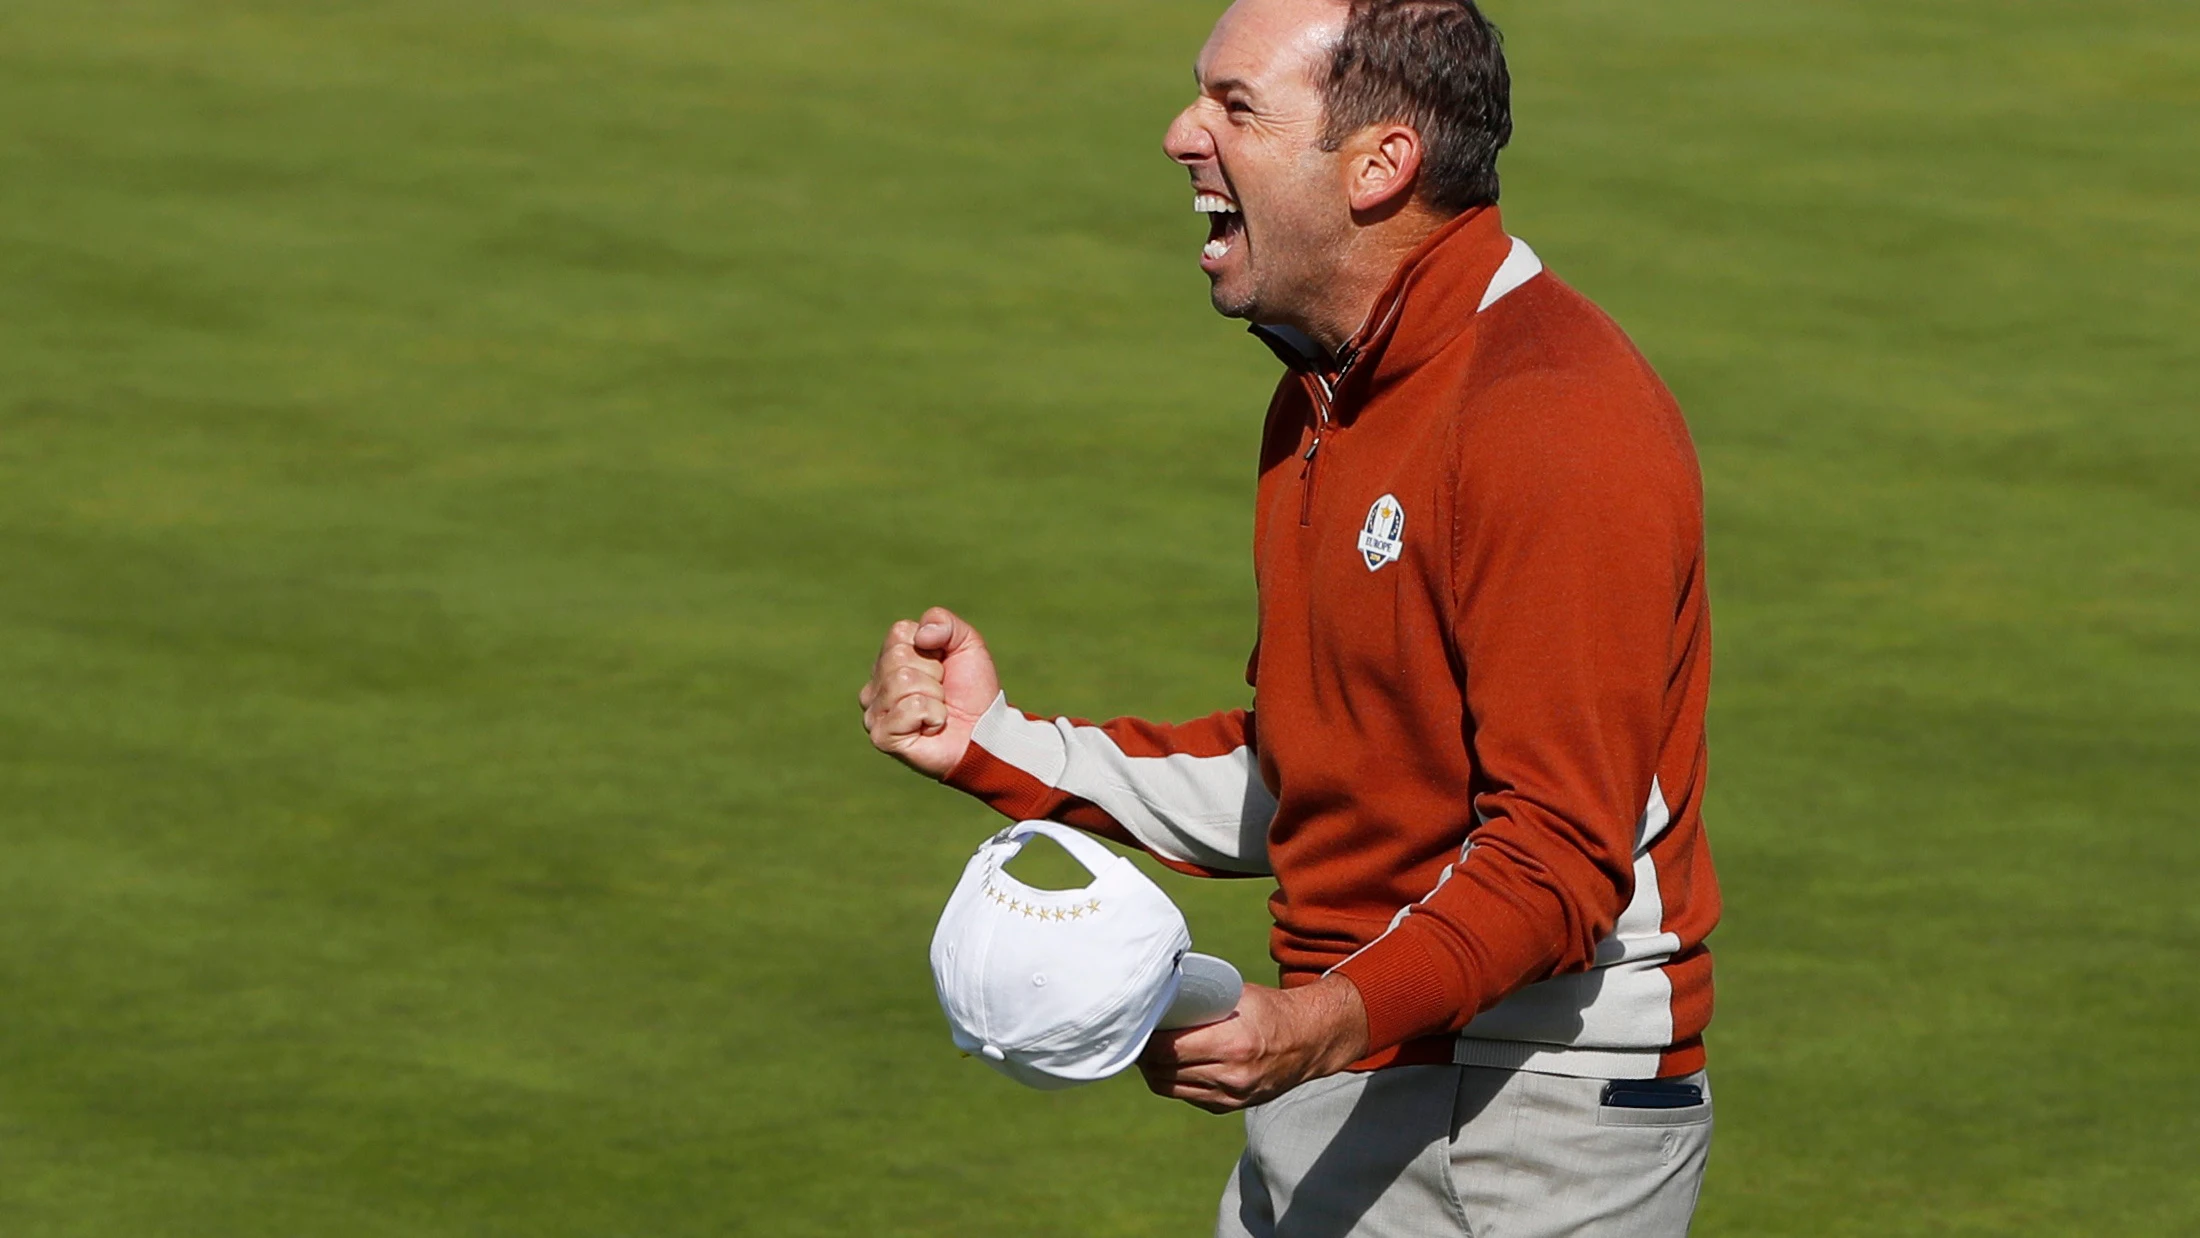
1189 793
1506 918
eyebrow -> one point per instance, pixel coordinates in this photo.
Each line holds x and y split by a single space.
1224 85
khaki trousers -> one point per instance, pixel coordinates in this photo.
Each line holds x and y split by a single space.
1420 1151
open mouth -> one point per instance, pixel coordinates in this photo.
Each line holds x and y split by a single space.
1225 225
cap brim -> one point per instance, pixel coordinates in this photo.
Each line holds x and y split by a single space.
1207 991
1034 1076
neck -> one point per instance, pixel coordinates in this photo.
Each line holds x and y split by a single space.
1363 269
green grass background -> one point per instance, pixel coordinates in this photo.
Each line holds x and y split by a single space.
456 460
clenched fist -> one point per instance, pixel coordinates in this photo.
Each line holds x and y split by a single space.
932 681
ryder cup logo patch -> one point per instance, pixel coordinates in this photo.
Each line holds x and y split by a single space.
1383 536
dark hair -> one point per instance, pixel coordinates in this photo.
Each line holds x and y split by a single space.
1439 66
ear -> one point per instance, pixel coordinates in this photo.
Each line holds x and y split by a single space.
1381 163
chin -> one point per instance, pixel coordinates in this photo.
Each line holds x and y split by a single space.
1231 302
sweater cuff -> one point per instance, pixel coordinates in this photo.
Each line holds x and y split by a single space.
1005 788
1409 990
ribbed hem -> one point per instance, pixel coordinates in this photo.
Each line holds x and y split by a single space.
1685 1058
1548 1059
1421 1051
1404 986
1398 980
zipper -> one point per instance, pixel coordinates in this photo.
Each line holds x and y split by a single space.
1320 390
1306 483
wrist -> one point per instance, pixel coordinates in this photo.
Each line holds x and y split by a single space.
1336 1028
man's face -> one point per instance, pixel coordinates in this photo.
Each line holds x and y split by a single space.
1276 203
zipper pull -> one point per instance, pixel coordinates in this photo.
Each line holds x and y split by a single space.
1306 484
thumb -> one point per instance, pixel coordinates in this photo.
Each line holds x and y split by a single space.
943 633
966 664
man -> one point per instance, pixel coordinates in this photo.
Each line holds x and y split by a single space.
1475 762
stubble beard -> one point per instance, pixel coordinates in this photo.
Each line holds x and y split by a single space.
1240 305
1292 289
1241 297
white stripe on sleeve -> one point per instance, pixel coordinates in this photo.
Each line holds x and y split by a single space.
1210 811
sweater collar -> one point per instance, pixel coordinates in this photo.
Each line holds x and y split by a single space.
1460 270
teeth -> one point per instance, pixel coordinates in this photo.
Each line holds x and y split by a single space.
1216 248
1213 204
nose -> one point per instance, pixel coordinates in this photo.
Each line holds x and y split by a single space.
1187 141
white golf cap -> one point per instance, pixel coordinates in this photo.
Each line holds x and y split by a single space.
1055 988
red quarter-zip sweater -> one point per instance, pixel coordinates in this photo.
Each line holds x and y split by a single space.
1475 759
